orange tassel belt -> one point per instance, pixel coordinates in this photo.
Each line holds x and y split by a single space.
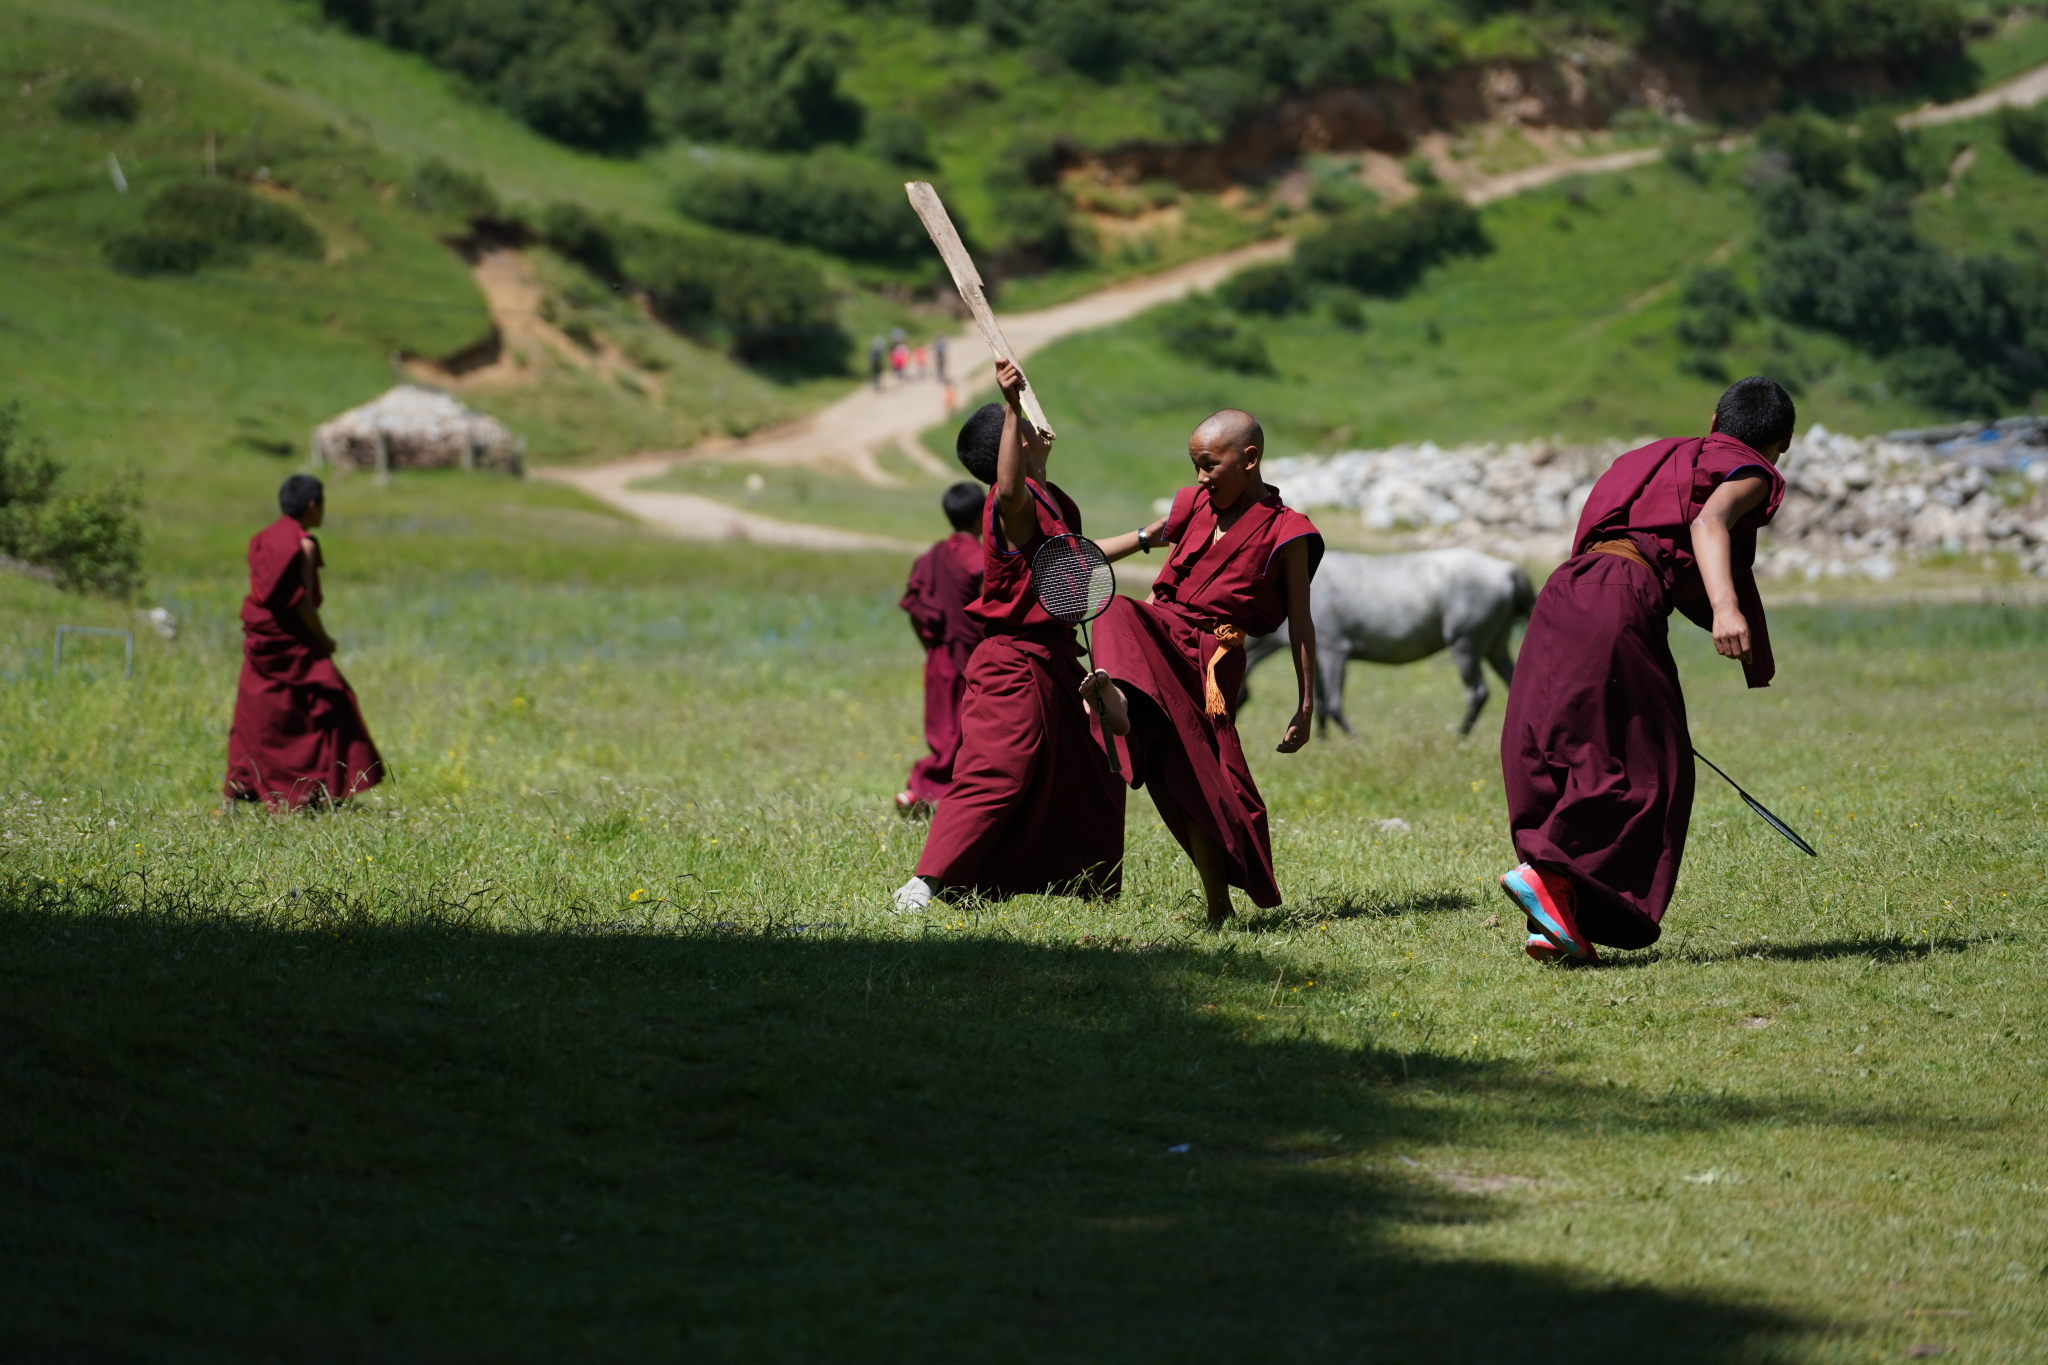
1228 637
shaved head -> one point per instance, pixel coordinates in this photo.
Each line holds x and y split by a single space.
1233 428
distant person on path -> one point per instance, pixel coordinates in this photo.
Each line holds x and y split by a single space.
1594 749
943 583
877 352
298 737
920 361
899 360
1033 806
939 363
1241 566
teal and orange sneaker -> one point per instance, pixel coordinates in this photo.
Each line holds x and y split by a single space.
1551 903
1541 948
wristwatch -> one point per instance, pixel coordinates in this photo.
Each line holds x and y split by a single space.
1141 541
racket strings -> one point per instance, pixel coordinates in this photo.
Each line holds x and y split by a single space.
1073 579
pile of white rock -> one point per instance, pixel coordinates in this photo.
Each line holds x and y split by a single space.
414 428
1852 505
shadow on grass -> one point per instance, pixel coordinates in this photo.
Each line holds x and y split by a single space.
1887 948
226 1140
1315 910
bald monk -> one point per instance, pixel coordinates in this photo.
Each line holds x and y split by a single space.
1594 749
943 582
1241 565
1033 806
298 737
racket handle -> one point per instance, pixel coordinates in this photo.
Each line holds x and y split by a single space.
1109 748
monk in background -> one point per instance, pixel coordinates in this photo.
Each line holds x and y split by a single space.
298 737
1033 806
943 582
1241 565
1594 749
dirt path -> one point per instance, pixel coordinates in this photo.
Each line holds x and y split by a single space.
2024 90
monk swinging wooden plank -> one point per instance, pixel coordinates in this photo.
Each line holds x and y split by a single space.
967 280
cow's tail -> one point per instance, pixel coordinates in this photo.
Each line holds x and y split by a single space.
1525 595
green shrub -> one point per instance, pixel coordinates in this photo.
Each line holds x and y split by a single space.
830 201
1884 149
1683 156
770 307
900 139
1200 330
585 93
580 235
1386 253
779 82
1272 289
1348 313
91 540
1817 151
86 98
206 222
440 189
2024 132
1969 334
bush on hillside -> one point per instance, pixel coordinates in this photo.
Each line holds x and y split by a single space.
900 139
770 307
1202 331
2024 133
1774 37
584 238
86 98
1967 334
1714 303
829 201
585 93
1386 253
1885 151
89 540
438 188
1815 150
210 222
1272 289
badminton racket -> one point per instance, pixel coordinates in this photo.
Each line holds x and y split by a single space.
1773 821
1074 584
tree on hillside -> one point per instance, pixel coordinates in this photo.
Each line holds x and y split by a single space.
87 541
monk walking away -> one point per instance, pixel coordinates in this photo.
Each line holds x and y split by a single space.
298 737
1032 807
944 581
1595 751
1241 565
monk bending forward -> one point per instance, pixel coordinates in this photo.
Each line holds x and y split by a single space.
298 736
1594 749
1241 565
1032 807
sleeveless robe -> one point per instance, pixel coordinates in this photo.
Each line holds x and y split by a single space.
943 582
1033 806
298 735
1160 652
1594 749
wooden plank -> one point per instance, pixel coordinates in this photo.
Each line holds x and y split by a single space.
967 279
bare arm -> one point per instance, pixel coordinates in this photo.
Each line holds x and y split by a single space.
1013 498
309 613
1301 636
1730 503
1125 545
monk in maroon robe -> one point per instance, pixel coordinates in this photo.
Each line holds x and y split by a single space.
943 582
1033 806
298 736
1595 751
1241 565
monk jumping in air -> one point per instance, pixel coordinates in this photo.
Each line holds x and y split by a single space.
1241 565
1595 751
1033 806
943 582
298 737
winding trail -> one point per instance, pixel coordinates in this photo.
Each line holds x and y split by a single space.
849 436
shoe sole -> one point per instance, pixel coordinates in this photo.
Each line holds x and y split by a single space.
1548 918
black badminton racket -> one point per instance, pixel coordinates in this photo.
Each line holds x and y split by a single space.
1074 584
1773 821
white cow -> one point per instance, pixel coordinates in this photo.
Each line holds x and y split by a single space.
1395 609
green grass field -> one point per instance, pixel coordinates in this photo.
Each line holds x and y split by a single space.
589 1035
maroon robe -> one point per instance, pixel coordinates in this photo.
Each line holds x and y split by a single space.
1193 763
1033 806
1594 749
298 735
945 579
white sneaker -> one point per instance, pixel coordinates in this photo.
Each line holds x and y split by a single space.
913 897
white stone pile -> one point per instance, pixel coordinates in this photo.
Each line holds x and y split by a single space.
1852 505
414 428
